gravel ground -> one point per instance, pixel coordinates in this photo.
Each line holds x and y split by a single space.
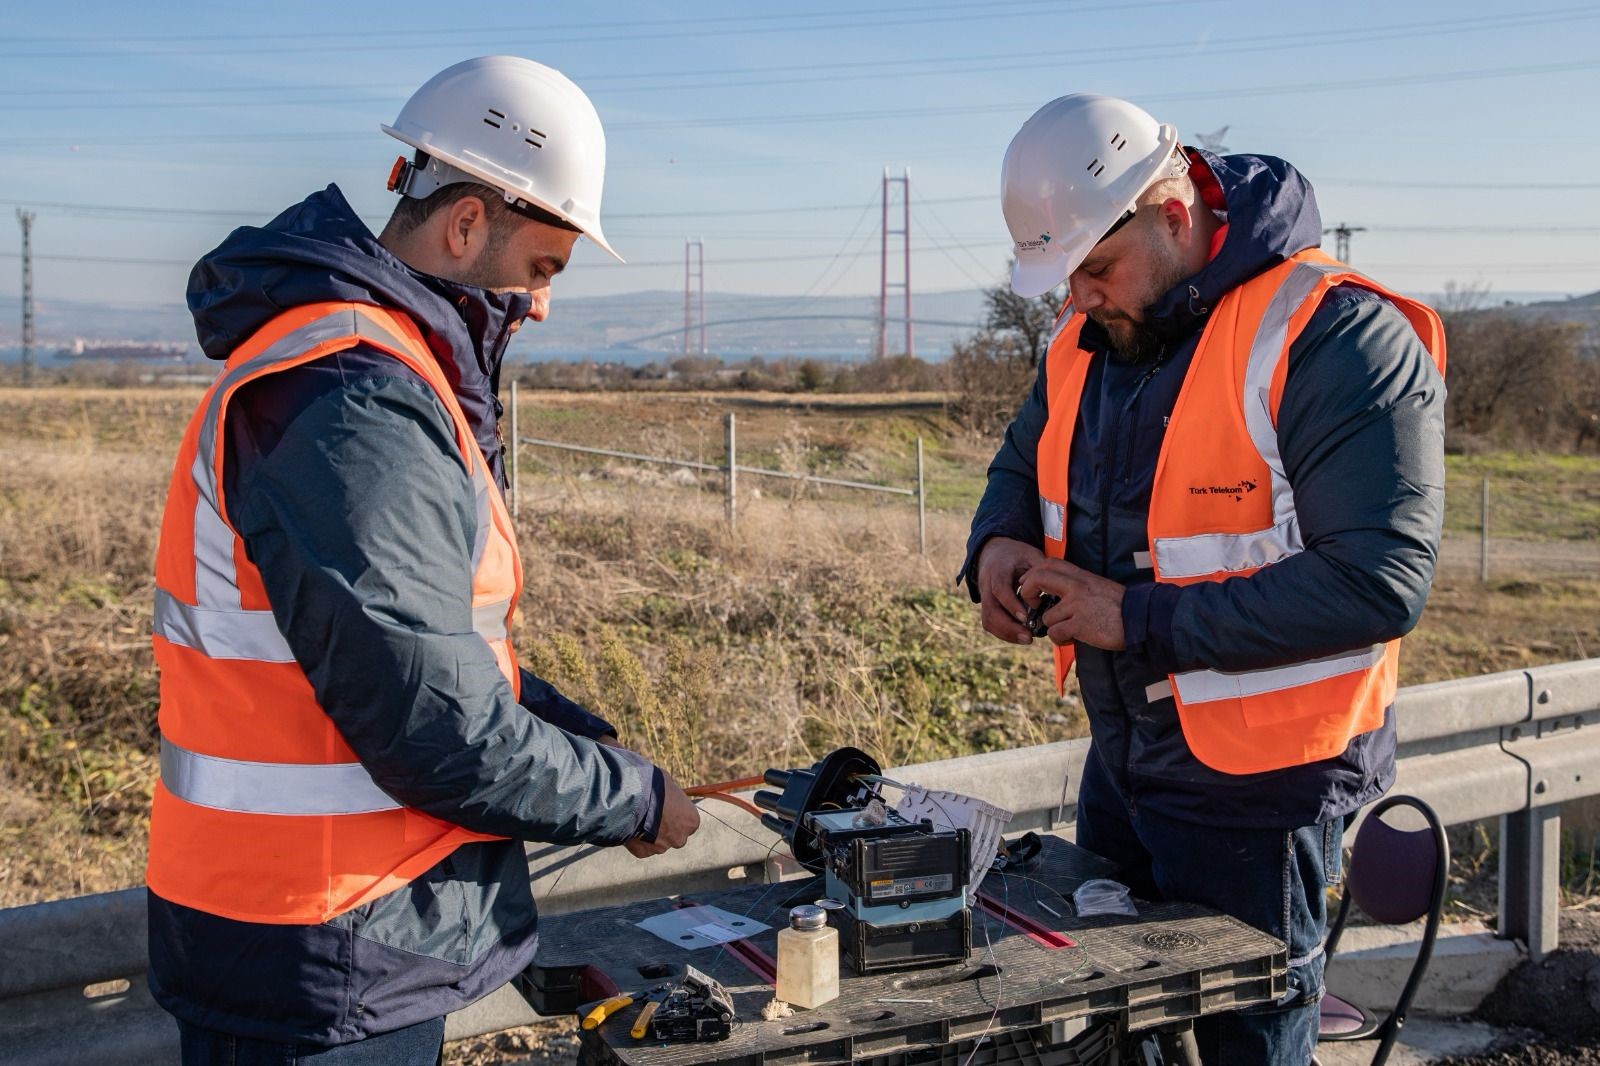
532 1045
1558 997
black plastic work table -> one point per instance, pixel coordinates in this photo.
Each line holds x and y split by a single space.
1171 964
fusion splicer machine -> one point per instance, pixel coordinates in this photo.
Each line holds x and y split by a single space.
898 887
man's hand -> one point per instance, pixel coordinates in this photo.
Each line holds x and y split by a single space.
1090 609
679 816
1001 563
679 820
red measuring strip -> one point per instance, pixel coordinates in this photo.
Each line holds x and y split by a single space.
1031 928
753 958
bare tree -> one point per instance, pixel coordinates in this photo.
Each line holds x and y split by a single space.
1583 397
1513 379
990 374
1028 320
1460 297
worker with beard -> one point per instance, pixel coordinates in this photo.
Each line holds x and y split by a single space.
1222 499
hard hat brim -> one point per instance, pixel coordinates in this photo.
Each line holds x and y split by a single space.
1035 275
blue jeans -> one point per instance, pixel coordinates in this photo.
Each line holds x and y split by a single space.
416 1045
1272 879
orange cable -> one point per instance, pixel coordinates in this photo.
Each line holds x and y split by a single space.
726 786
742 804
720 789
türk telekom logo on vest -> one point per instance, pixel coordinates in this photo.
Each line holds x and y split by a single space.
1236 491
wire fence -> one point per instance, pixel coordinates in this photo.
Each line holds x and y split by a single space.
1508 517
1518 532
729 468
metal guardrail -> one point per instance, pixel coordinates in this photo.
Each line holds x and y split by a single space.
1514 746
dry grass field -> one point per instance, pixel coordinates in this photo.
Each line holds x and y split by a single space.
815 623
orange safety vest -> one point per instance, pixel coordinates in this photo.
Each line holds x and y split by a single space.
1221 507
263 813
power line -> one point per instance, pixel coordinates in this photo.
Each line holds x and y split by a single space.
730 121
433 35
943 67
843 246
951 234
1344 85
1541 267
158 213
940 63
718 212
606 264
986 12
1380 183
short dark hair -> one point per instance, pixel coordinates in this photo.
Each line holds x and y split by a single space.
412 211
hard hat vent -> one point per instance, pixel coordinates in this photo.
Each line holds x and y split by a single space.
497 119
1118 141
1095 167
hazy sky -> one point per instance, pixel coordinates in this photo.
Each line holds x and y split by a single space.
1459 134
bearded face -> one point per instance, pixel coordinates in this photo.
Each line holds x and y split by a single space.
1147 268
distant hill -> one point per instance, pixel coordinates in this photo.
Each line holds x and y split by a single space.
642 327
1576 308
1584 310
634 327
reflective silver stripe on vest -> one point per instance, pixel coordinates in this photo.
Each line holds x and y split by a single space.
1210 553
1267 350
216 578
231 633
1053 515
1062 320
481 505
489 620
1142 561
270 788
1204 686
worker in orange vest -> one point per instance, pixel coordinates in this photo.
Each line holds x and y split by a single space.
1222 500
351 756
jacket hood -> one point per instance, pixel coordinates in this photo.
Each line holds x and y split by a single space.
1272 214
319 250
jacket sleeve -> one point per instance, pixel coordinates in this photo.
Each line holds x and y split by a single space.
1010 504
366 559
543 699
1361 432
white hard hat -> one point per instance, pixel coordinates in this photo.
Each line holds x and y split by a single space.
1073 172
508 122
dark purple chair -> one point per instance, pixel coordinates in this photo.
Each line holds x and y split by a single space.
1395 876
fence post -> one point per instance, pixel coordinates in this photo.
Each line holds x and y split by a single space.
1530 878
516 497
733 472
1483 535
922 515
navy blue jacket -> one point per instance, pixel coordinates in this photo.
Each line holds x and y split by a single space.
1360 429
345 482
